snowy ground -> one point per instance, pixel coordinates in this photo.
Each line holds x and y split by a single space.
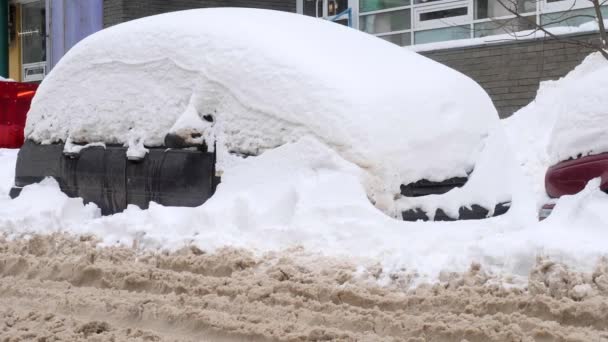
57 287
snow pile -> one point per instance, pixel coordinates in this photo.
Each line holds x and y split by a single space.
7 170
304 194
252 87
568 118
42 208
579 102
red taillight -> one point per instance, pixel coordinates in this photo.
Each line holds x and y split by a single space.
26 94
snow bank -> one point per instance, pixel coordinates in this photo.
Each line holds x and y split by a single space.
8 158
579 102
43 208
568 118
305 194
395 114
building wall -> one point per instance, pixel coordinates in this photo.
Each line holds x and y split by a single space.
511 72
71 21
14 50
117 11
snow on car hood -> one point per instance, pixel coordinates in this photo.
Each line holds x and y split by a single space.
266 78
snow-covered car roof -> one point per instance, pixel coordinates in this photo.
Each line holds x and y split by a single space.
267 78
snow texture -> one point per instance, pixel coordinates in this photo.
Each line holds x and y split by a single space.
305 194
261 88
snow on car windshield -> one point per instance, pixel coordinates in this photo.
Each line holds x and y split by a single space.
397 115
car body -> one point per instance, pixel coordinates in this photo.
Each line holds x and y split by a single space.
207 90
15 100
571 176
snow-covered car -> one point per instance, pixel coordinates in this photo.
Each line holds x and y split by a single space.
577 143
154 109
571 176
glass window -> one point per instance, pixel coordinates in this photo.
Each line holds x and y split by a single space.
571 18
386 22
495 27
313 8
447 13
442 34
375 5
401 39
424 1
33 32
494 8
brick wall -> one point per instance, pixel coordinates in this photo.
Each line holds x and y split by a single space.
118 11
511 72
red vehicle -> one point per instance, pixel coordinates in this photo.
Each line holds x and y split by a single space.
15 99
571 176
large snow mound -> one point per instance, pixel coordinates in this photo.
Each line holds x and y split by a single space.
267 78
306 195
567 119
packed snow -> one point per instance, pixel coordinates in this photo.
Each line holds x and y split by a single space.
260 88
311 191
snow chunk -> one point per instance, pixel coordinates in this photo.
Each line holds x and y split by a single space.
71 148
43 208
399 116
135 144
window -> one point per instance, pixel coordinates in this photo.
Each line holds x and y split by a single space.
376 5
386 22
448 13
571 18
495 27
442 34
443 14
401 39
496 8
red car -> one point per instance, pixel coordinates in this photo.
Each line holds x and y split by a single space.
571 176
15 99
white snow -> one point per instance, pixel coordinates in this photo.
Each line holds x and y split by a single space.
304 194
587 27
568 118
7 170
265 87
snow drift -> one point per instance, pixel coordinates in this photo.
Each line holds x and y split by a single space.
397 115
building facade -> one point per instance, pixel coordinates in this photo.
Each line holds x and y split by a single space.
40 32
409 22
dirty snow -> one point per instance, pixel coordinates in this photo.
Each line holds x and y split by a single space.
263 87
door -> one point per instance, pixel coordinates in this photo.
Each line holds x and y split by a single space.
33 40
